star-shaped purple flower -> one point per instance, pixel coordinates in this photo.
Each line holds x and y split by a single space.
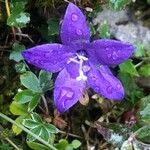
81 64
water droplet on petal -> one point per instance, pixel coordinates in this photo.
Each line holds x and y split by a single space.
107 49
97 89
74 17
114 56
109 55
109 89
66 93
78 31
86 68
60 46
47 54
118 86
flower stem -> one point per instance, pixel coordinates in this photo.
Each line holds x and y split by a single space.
27 131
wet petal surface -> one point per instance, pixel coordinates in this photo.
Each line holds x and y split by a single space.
67 91
50 57
110 52
103 82
74 29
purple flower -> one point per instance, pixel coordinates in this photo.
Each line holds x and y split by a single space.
81 64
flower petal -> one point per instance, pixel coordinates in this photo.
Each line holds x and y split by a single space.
74 29
67 91
50 57
104 83
110 52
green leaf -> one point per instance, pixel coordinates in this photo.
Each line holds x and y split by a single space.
144 70
16 52
139 52
22 19
104 30
76 144
143 134
43 29
20 67
34 102
24 96
145 109
5 147
18 109
36 117
30 81
118 4
133 92
19 120
37 146
44 134
51 128
53 26
18 18
45 79
29 123
92 29
62 144
128 67
36 131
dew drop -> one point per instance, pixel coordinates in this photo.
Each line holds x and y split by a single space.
86 68
114 56
97 89
107 49
118 86
78 31
66 92
74 17
109 55
109 89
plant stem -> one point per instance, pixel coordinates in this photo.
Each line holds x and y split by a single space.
8 14
45 104
27 131
12 143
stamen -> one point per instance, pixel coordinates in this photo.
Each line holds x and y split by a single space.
79 59
81 74
74 59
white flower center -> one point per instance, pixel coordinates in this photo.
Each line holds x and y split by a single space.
79 59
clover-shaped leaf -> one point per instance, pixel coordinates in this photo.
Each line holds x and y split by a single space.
30 81
40 128
45 79
16 52
145 109
18 18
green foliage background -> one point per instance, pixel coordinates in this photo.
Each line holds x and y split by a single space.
26 92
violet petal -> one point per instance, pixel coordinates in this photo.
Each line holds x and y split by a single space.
110 52
103 82
49 57
74 29
67 91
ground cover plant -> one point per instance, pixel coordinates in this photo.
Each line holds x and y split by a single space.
69 82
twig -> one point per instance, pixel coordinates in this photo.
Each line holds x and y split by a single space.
139 64
12 143
8 14
70 134
86 136
45 104
25 35
27 131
